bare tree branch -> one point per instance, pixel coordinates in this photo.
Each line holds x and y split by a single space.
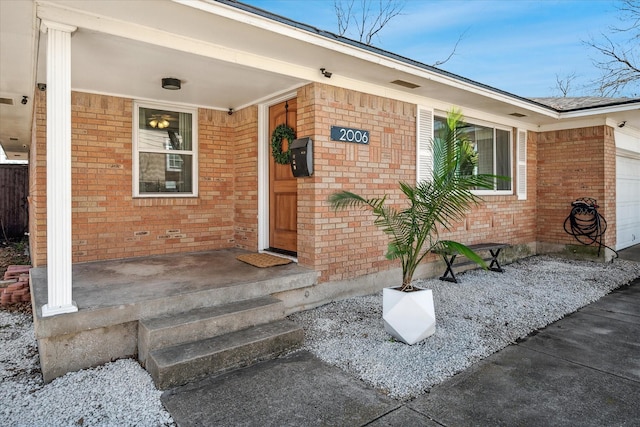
563 85
344 15
453 51
630 10
619 66
370 21
619 62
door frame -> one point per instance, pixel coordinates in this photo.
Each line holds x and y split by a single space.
263 167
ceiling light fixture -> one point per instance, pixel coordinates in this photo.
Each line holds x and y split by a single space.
159 123
171 83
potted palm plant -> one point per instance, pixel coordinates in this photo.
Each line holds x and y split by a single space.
414 228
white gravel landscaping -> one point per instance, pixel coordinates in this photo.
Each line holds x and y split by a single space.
120 393
483 313
476 317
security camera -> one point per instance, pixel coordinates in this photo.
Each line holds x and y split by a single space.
42 87
25 99
622 124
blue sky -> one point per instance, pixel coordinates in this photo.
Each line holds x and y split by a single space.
518 46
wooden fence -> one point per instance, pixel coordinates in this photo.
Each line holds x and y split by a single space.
14 189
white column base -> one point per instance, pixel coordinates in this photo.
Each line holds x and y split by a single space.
63 309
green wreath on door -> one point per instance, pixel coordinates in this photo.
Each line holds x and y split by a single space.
281 132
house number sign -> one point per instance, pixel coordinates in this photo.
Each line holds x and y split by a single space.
339 133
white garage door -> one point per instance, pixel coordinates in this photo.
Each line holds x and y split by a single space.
628 199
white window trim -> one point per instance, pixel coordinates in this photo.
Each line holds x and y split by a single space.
495 160
494 126
193 152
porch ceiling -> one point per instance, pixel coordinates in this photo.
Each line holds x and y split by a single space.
17 74
225 59
116 65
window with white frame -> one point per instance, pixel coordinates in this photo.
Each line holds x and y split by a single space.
493 146
165 150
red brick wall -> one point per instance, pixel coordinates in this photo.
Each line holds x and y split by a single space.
347 244
572 164
38 183
244 150
608 203
109 223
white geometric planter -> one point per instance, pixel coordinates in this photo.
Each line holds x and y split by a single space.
408 316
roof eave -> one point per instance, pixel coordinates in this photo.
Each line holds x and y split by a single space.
629 105
284 26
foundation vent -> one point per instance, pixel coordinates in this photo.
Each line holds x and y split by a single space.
7 101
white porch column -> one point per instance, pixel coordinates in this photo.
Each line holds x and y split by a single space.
58 169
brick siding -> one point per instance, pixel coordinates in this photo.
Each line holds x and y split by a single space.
109 223
37 183
346 244
572 164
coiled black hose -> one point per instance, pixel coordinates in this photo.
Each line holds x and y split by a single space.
586 224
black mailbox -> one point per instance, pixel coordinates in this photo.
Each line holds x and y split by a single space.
302 157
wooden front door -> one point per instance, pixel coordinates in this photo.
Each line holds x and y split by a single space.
283 192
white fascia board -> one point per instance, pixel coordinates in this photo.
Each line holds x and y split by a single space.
154 36
573 124
590 117
363 54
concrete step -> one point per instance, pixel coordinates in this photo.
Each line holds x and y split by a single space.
129 300
177 365
206 322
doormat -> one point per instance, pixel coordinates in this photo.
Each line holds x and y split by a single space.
263 260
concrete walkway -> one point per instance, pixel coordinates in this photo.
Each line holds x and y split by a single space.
582 370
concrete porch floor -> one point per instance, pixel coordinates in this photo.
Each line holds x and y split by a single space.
112 296
113 283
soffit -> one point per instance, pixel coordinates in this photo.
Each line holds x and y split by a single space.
18 37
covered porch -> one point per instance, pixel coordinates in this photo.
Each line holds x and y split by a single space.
114 296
